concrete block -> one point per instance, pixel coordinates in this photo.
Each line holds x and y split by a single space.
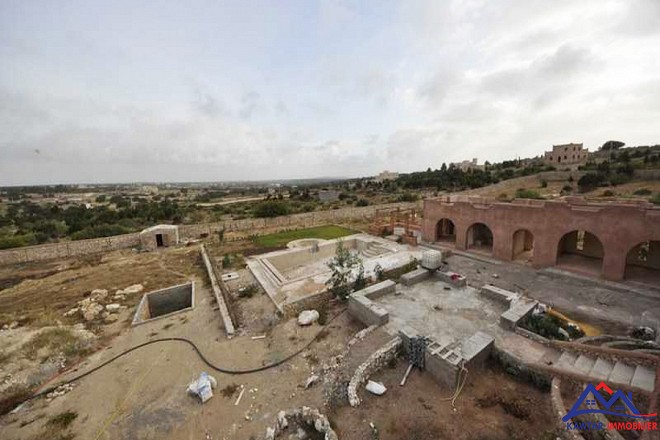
441 370
567 360
416 276
377 290
453 278
366 311
477 348
498 295
516 313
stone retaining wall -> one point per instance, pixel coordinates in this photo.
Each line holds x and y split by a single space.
376 361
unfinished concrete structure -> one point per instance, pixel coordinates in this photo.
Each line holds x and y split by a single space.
159 236
295 278
614 240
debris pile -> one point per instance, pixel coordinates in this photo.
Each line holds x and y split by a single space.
300 418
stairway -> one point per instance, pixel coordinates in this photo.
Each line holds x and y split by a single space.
601 369
370 252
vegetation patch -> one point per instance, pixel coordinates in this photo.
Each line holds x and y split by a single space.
551 327
279 239
62 420
55 340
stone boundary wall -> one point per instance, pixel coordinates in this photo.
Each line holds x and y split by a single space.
76 248
293 221
68 249
375 362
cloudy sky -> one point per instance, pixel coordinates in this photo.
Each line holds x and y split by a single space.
125 90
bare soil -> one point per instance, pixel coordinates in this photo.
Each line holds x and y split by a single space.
492 406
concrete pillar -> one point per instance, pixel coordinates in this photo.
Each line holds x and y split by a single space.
545 251
502 245
461 235
614 265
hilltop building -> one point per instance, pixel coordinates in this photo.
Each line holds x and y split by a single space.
468 165
569 154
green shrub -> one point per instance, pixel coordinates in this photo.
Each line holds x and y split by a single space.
567 188
656 199
643 192
544 183
362 202
527 194
271 208
608 193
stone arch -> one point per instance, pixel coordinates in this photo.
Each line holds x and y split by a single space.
581 251
523 245
479 237
643 262
445 231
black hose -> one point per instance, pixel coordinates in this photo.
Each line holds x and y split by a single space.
199 353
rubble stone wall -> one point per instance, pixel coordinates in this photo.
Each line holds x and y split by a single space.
376 361
253 225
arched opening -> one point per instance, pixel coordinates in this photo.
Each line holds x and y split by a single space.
580 251
445 231
523 245
643 263
480 238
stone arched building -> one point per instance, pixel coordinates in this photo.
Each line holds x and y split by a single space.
614 240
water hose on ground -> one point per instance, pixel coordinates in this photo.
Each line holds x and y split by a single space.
196 350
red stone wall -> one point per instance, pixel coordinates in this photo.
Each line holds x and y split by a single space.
618 226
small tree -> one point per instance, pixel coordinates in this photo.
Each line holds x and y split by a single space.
342 266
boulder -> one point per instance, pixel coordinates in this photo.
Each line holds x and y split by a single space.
113 308
308 317
376 388
135 288
111 318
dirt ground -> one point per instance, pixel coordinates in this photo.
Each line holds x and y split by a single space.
143 395
492 406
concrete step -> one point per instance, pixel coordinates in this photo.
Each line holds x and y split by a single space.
567 360
621 373
601 369
644 378
583 364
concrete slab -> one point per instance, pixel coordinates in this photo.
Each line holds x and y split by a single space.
644 378
584 364
601 369
621 373
567 360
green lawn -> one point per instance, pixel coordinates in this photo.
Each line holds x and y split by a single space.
280 239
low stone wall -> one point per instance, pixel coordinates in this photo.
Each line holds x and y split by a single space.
376 361
68 249
186 232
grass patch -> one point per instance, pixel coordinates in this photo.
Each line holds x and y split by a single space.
56 339
279 239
